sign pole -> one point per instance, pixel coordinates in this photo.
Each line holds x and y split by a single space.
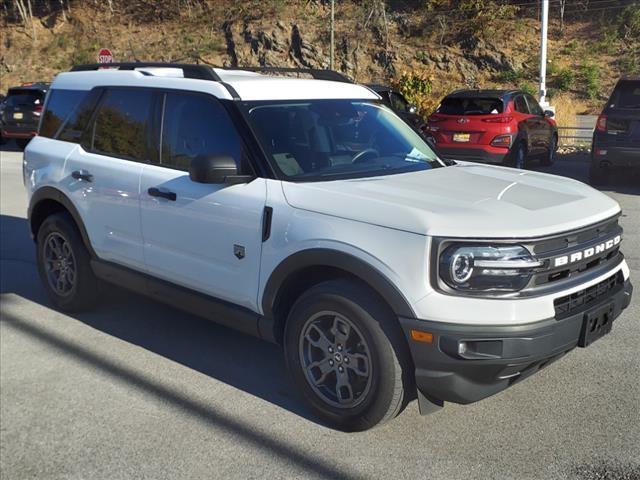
331 35
543 52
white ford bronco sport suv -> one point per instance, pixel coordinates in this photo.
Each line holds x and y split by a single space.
307 213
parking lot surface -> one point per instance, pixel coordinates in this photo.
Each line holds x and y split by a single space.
136 389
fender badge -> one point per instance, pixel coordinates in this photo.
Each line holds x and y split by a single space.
238 251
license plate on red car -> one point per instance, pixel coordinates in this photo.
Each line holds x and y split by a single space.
461 137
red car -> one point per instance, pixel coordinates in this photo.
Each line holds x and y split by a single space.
493 126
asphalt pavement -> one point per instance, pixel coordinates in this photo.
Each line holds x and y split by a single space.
136 389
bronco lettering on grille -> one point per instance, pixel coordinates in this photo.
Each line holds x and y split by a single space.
589 252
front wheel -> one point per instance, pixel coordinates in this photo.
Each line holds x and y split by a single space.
347 358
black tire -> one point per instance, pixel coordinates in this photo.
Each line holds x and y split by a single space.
597 175
60 229
390 373
518 156
22 142
550 157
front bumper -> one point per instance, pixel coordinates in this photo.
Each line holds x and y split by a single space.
498 356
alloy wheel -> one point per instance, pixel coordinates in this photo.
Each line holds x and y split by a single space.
59 264
336 359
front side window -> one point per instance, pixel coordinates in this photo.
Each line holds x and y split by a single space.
520 104
121 124
329 139
534 106
196 125
59 106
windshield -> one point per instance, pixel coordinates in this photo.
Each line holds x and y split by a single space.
330 139
470 106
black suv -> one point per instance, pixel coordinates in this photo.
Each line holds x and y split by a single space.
616 139
21 112
396 101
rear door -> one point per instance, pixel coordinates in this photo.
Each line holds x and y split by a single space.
207 237
528 125
102 175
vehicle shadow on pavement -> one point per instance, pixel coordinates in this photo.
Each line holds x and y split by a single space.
246 363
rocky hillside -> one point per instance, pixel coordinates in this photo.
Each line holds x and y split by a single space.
425 47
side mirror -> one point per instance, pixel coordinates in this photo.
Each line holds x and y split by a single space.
218 168
548 113
411 108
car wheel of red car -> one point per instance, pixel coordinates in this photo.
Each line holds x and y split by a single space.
548 160
519 156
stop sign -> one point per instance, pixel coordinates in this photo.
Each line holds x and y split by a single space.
105 56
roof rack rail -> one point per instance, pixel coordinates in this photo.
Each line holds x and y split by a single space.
316 73
199 71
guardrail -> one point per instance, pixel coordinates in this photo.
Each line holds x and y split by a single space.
574 136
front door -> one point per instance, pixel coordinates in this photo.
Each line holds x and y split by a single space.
207 237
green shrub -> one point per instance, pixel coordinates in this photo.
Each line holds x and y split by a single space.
570 47
564 79
510 76
528 88
591 77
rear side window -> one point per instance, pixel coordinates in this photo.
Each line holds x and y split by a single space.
24 98
121 123
398 102
59 106
196 125
470 106
626 95
520 104
79 118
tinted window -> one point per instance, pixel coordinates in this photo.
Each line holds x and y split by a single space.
534 106
24 98
79 118
60 104
520 104
626 95
121 124
196 125
470 106
398 102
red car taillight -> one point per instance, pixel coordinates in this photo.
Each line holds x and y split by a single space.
37 111
601 124
498 120
501 141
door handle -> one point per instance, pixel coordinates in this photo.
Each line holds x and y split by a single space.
82 175
161 192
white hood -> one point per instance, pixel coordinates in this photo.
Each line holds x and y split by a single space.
466 200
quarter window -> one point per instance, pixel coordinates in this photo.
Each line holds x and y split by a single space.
59 106
196 125
121 124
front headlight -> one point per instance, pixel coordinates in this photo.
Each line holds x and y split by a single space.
487 268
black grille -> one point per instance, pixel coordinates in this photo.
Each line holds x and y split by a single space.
579 301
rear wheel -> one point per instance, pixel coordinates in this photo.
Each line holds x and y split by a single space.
64 264
519 156
347 358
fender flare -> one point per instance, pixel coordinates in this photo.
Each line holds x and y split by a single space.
323 257
51 193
